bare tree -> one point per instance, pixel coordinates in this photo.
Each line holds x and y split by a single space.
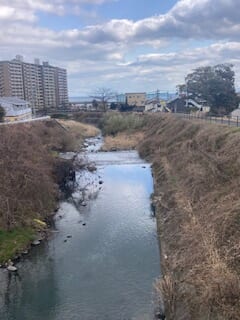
102 96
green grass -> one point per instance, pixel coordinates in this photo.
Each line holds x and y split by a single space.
13 242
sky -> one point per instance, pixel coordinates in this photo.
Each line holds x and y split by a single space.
125 45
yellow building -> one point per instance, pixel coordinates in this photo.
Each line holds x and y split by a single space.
137 99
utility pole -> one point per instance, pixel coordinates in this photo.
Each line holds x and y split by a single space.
157 95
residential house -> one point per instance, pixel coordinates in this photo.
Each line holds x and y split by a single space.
15 109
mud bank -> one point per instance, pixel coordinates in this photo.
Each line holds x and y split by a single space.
197 190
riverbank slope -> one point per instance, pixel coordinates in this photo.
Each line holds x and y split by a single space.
29 177
197 190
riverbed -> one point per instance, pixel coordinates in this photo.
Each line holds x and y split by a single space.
102 258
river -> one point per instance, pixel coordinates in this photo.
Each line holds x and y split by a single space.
102 259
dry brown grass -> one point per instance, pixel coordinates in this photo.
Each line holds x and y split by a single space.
166 292
78 131
28 158
197 173
27 186
122 141
31 173
85 130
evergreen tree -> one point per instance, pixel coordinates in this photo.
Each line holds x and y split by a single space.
215 85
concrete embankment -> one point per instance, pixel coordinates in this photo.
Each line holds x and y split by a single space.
197 190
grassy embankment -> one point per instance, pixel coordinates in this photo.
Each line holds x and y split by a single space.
197 190
122 131
28 189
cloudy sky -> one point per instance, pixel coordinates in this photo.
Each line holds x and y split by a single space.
126 45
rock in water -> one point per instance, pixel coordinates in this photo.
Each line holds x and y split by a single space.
12 268
36 242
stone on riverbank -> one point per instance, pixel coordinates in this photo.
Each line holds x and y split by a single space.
12 268
35 242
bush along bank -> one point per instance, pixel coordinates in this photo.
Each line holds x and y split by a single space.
121 131
197 190
30 179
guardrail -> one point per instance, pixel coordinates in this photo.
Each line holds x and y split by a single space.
24 121
230 121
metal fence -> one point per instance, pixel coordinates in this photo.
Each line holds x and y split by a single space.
226 120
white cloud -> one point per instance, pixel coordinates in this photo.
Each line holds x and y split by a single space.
108 53
58 7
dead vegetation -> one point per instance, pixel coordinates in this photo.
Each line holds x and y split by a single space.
28 162
122 131
197 182
31 174
79 131
27 188
122 141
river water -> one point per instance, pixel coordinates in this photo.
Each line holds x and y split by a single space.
101 261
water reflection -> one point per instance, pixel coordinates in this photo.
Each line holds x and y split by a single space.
32 293
103 261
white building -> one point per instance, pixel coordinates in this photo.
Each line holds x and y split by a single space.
15 109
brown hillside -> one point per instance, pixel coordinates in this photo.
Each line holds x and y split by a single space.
197 192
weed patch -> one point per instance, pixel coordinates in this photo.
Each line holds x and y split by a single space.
14 242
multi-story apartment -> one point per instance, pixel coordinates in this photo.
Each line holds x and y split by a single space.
137 99
49 85
43 86
33 84
11 79
61 87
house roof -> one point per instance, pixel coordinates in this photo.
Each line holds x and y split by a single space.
13 100
14 106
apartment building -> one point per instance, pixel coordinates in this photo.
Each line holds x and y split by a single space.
49 85
137 99
11 79
43 86
61 87
33 85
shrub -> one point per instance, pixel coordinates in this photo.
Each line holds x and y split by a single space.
115 123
